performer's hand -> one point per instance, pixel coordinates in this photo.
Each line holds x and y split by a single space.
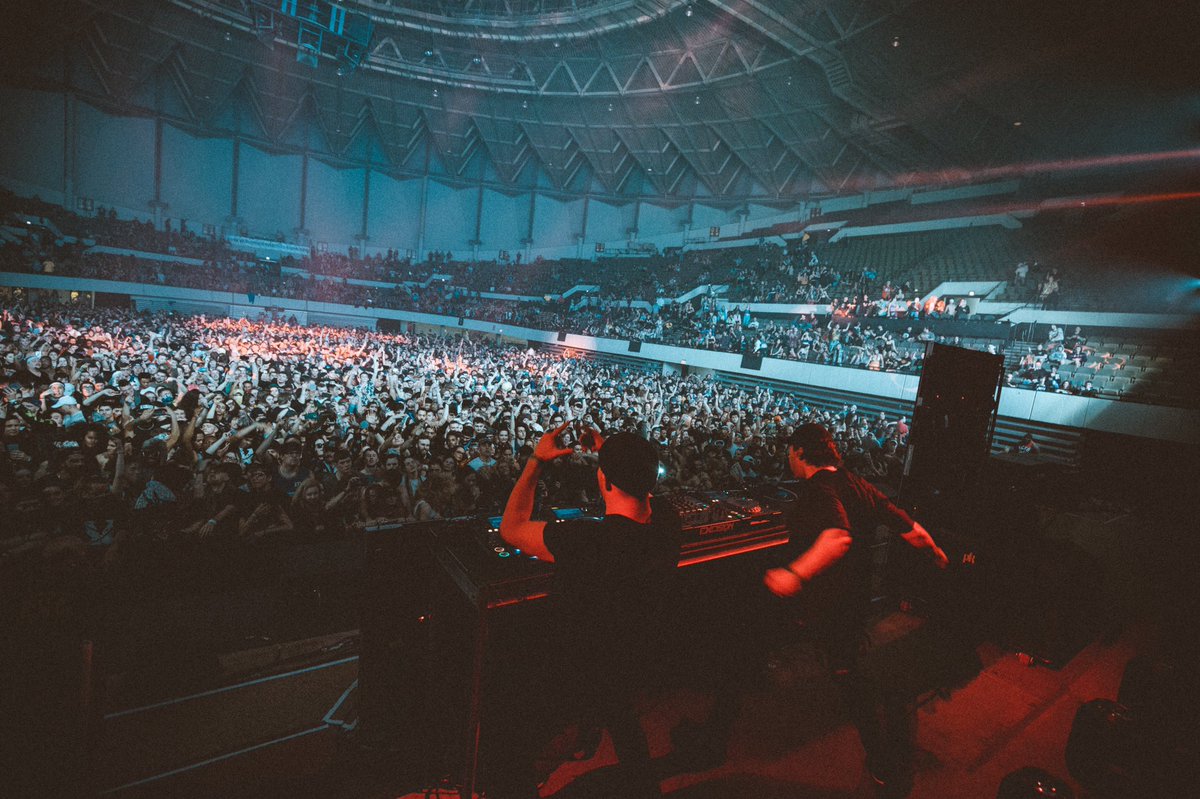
782 582
939 557
548 447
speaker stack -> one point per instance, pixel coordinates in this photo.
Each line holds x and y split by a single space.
953 419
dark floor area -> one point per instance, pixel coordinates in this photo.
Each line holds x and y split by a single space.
791 740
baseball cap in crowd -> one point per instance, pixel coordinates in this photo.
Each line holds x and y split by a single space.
630 463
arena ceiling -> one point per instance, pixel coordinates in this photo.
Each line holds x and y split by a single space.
770 100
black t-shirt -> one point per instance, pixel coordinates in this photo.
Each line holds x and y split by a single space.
287 485
611 579
842 500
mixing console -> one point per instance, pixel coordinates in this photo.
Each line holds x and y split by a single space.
693 509
716 524
737 504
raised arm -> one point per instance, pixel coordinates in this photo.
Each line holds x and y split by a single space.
517 526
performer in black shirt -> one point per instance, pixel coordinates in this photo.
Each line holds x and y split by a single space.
611 576
830 531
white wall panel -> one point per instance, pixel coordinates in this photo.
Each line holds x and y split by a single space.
335 198
706 216
269 191
556 223
761 212
395 212
115 160
607 222
656 220
197 175
505 221
31 140
450 217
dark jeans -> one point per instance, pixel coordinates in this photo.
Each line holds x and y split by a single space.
872 697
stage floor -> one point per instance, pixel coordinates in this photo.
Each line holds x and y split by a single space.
792 740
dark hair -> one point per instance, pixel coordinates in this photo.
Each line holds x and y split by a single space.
174 476
630 463
816 444
231 470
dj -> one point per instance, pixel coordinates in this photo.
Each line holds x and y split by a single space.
829 569
612 577
837 517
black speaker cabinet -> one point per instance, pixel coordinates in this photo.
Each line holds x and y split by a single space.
394 663
954 416
752 362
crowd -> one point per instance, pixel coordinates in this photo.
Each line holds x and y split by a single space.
701 322
1039 368
443 286
130 434
850 336
1036 284
104 226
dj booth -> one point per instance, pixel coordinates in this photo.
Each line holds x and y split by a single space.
455 618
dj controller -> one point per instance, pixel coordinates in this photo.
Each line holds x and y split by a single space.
716 525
